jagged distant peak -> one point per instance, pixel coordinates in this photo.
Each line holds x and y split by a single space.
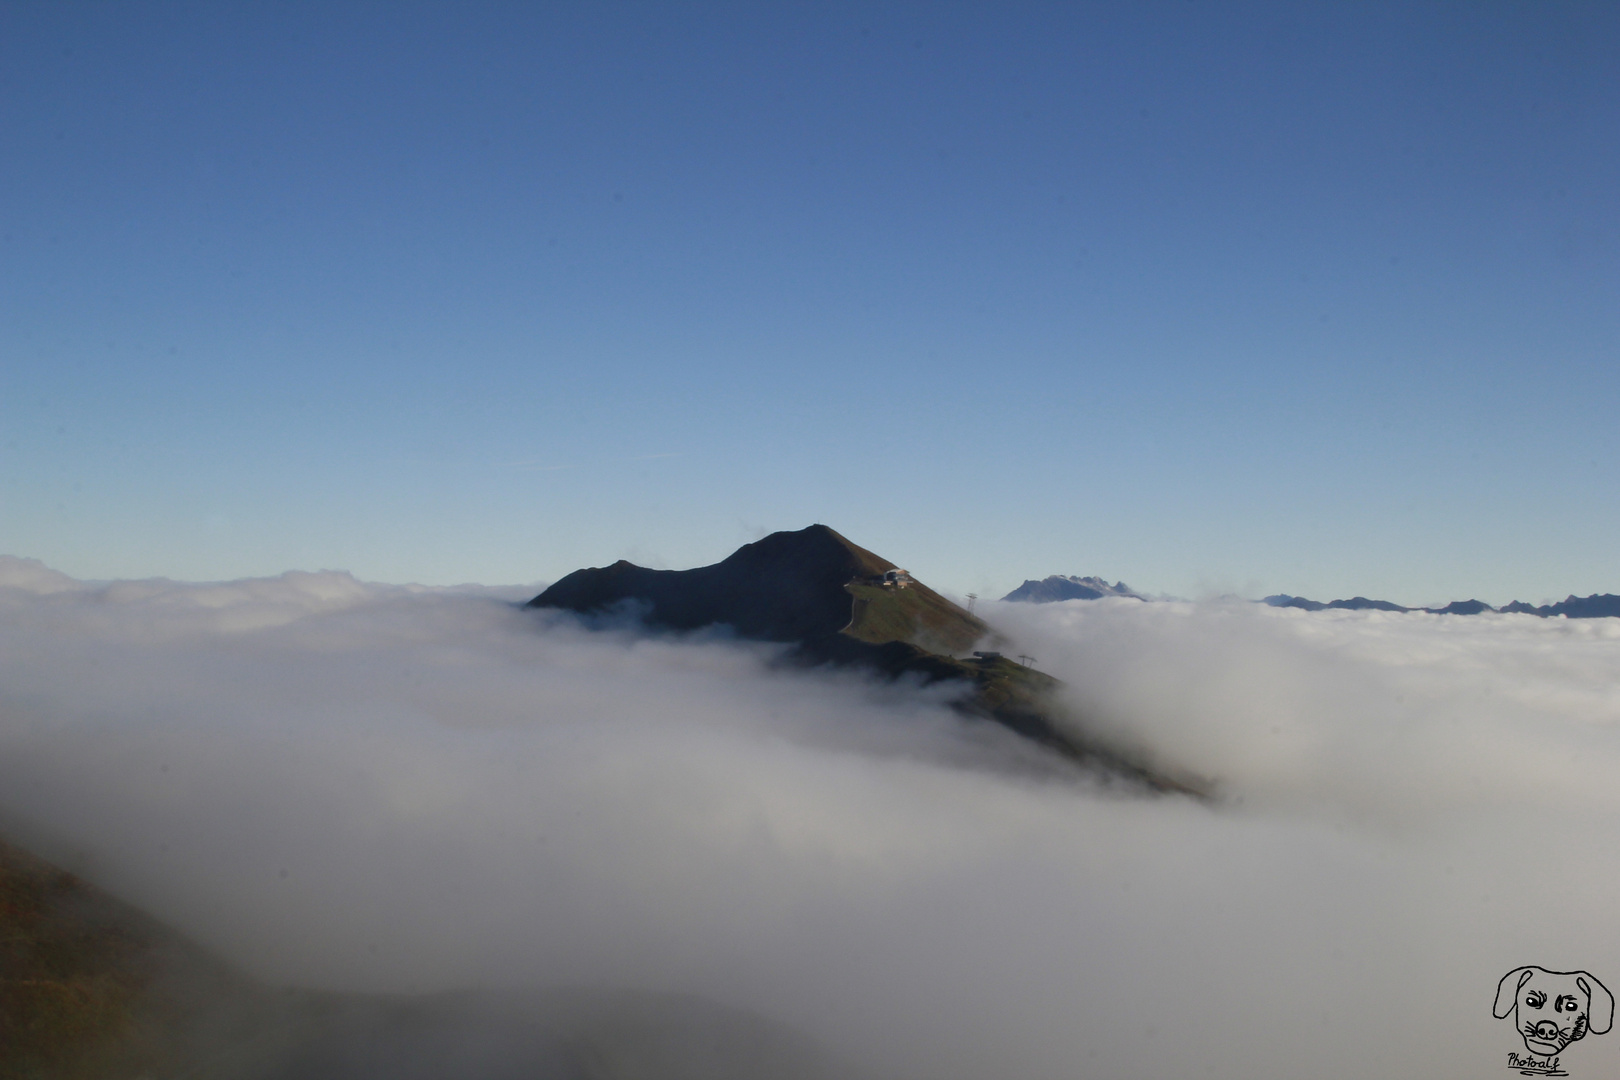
1069 587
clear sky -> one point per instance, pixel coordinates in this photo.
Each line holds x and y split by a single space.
1322 299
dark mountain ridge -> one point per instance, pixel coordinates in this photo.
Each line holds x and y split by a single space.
787 587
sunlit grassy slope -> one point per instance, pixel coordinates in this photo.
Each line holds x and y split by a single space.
916 614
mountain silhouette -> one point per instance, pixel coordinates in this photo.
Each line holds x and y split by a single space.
1596 606
1462 607
795 587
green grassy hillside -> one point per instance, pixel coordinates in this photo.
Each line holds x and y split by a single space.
916 614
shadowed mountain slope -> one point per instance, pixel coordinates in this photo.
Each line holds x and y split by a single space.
789 587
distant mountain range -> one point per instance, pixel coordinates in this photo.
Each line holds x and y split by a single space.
1057 587
838 603
1596 606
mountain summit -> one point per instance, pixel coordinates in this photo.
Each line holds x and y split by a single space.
795 587
1058 587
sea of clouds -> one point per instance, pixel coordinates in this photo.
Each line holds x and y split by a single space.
346 785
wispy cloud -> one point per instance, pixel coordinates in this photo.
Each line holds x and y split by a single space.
543 465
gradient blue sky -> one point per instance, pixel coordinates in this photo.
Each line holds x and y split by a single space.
1308 298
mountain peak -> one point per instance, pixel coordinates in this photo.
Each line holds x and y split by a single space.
814 543
1058 587
840 603
798 586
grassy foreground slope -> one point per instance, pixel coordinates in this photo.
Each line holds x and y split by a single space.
91 989
914 614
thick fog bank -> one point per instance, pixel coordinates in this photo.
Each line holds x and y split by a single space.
367 787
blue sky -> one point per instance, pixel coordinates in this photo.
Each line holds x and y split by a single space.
1308 298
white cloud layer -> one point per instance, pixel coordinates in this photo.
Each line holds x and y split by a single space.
348 785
